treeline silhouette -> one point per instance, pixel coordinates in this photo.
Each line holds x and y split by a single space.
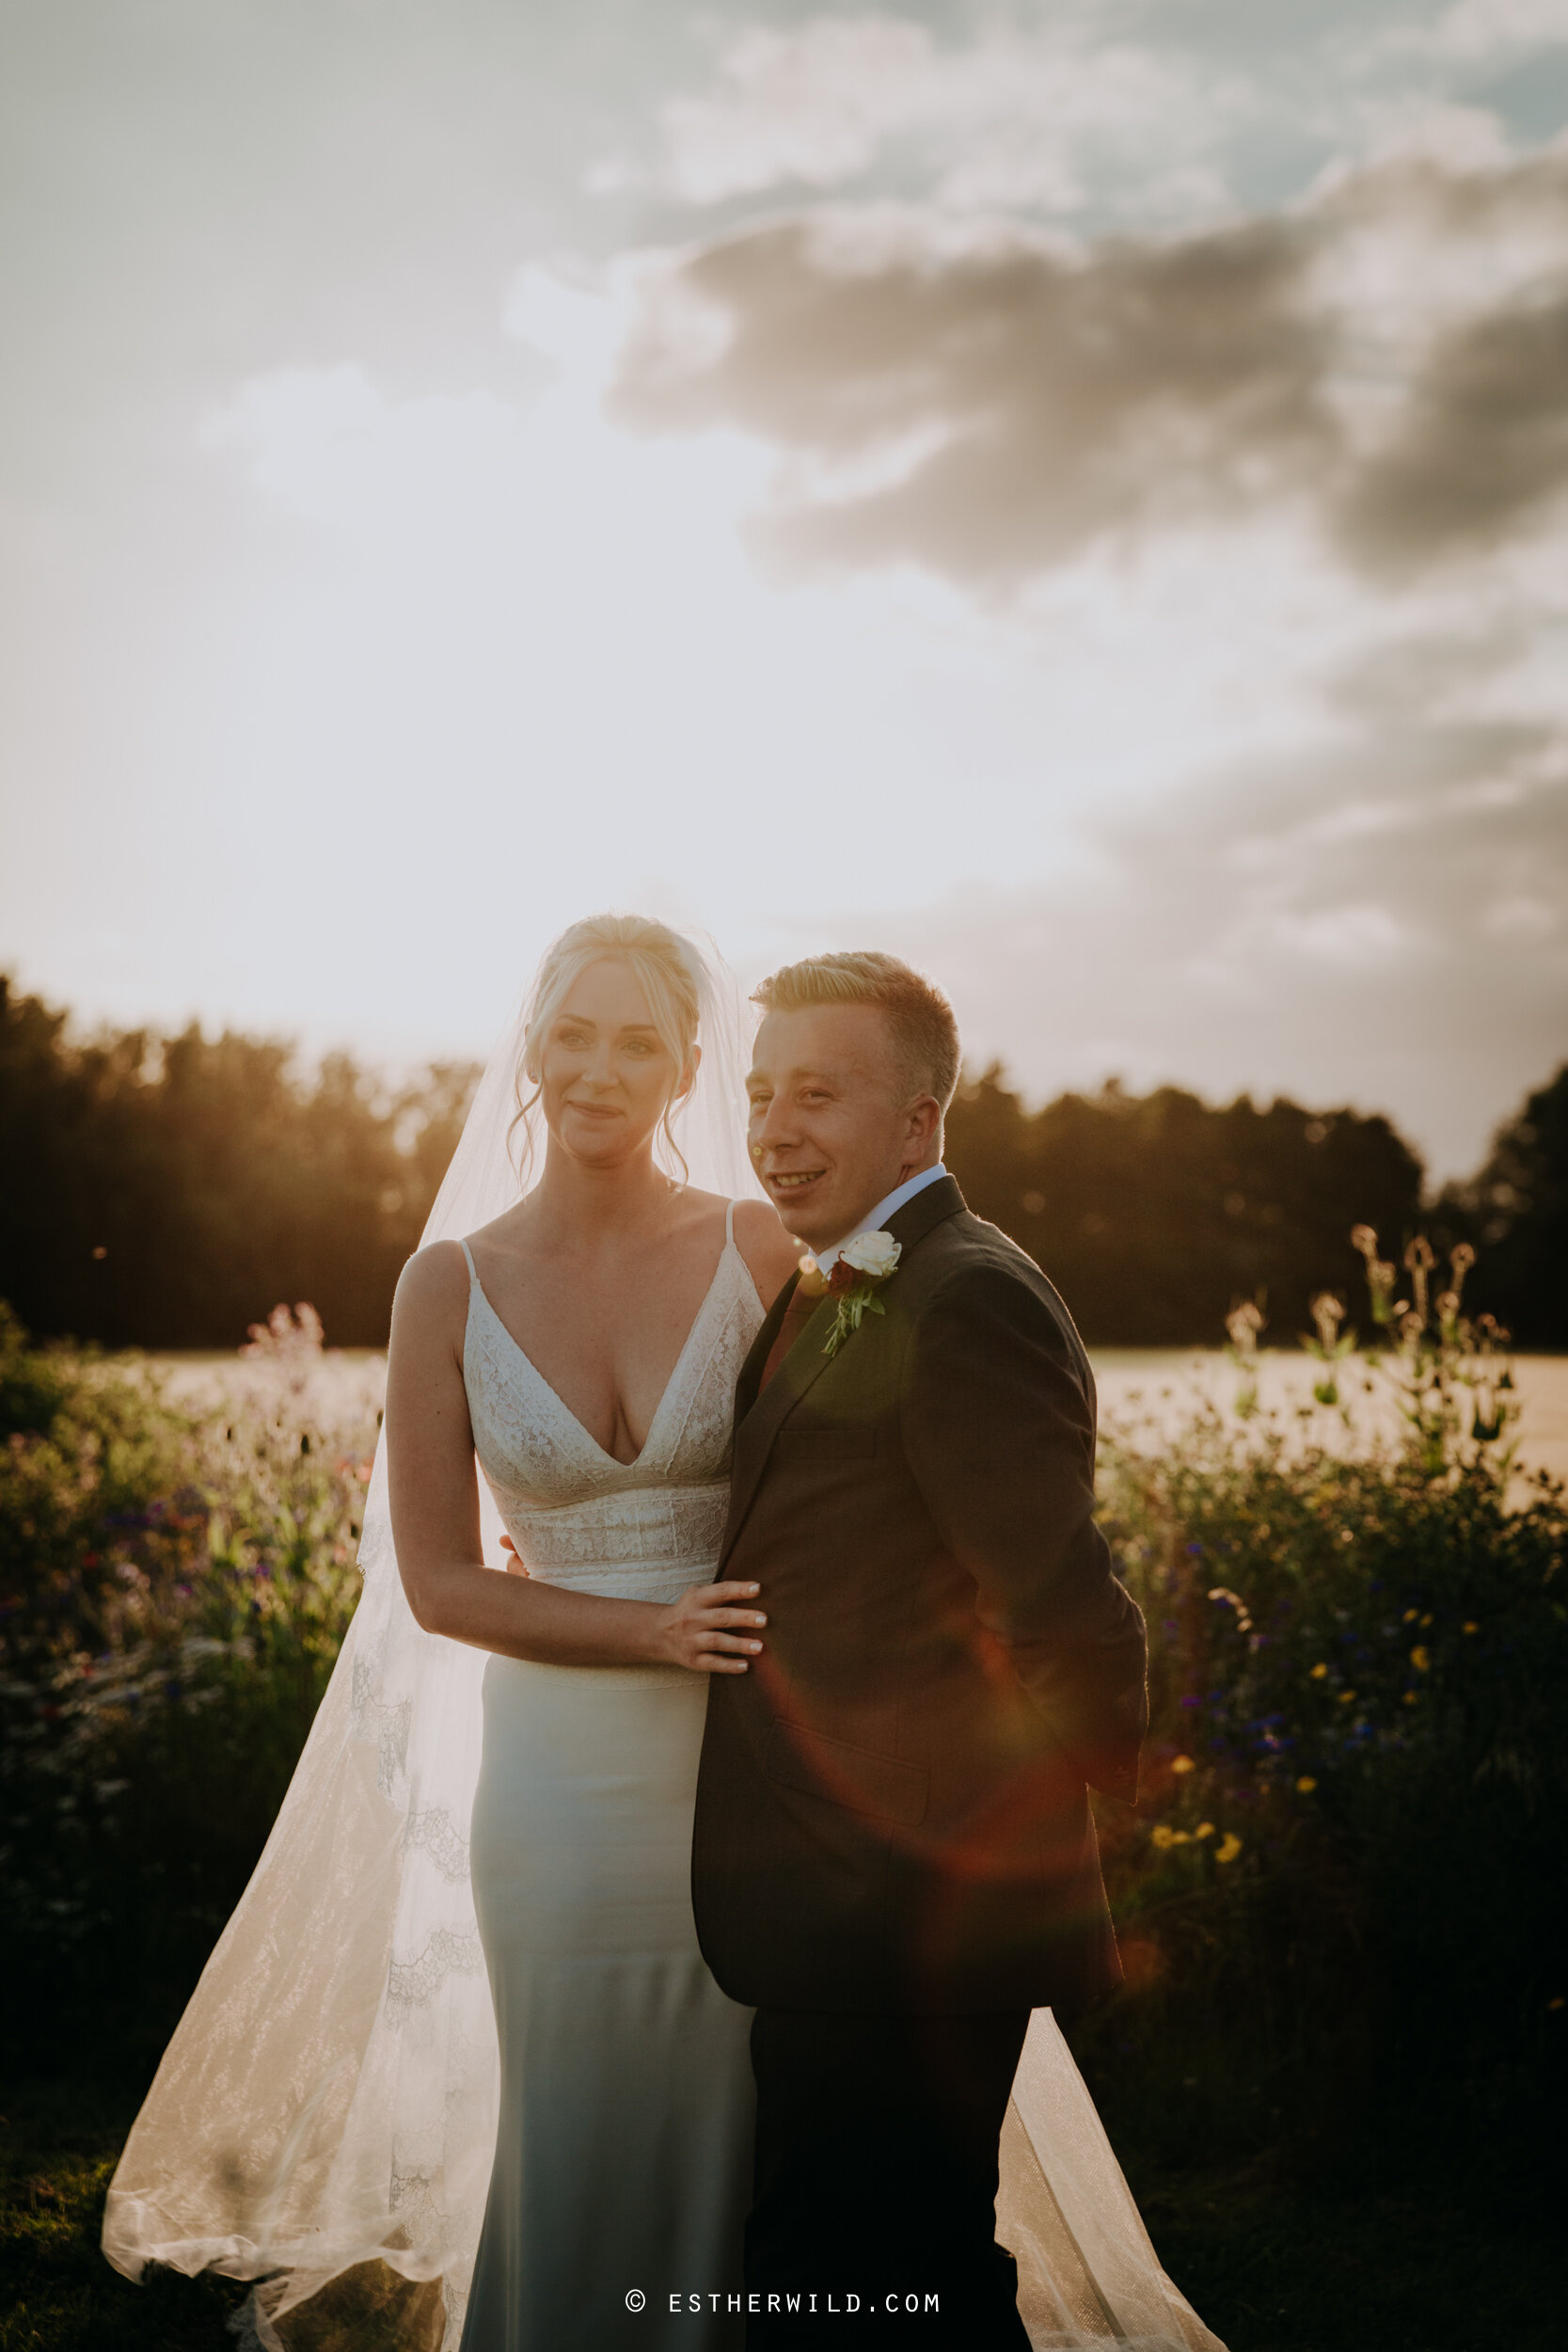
166 1191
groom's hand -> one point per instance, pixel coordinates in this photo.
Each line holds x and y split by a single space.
706 1631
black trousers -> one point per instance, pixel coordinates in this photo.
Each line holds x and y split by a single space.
875 2178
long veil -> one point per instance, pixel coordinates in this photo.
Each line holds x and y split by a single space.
328 2098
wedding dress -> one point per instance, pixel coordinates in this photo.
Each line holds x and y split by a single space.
335 2101
623 2157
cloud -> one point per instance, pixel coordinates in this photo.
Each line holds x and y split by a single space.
1492 29
1004 119
329 445
1382 918
1483 446
1023 402
1391 359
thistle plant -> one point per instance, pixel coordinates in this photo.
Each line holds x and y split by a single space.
1330 1344
1451 1377
1243 1324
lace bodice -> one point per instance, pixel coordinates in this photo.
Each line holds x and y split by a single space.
636 1531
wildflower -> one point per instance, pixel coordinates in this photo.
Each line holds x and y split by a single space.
1306 1784
1346 1697
1228 1848
1203 1829
1320 1674
1410 1616
1420 1657
1469 1625
1327 1313
1410 1698
1161 1836
1244 1322
1181 1764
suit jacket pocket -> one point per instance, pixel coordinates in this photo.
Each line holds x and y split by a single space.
856 1778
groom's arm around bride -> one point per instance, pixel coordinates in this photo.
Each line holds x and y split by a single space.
894 1857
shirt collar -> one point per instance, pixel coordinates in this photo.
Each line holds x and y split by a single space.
876 1217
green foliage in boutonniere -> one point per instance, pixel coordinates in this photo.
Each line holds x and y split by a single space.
863 1265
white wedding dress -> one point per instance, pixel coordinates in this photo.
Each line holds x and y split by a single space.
624 2152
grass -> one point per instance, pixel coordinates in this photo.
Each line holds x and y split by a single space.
1271 2267
58 2145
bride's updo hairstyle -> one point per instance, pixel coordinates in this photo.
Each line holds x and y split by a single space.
658 960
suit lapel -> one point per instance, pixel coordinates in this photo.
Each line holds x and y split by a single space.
759 1418
910 1224
754 1434
749 1379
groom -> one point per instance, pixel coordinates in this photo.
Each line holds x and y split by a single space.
894 1860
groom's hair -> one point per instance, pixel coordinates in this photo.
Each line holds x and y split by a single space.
918 1014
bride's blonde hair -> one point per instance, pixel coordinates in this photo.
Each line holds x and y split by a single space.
659 962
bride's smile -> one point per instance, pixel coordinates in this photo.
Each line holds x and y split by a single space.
605 1076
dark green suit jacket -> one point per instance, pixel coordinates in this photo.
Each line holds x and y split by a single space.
891 1805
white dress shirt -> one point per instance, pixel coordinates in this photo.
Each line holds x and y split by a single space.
878 1216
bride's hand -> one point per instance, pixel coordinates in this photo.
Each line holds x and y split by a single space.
515 1565
708 1630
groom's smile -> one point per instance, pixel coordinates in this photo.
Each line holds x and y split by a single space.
831 1129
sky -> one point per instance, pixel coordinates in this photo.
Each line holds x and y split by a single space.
1074 493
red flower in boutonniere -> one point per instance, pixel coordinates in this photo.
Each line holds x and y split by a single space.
863 1265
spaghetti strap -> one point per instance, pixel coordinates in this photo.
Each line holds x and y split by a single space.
729 1227
473 1270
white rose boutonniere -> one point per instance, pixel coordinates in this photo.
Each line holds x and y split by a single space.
863 1264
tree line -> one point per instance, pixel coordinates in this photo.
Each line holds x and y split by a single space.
165 1191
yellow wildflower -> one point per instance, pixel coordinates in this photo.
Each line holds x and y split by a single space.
1161 1836
1420 1658
1203 1829
1345 1697
1319 1673
1411 1615
1306 1784
1229 1847
1469 1625
1181 1764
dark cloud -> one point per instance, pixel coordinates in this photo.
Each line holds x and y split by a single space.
990 413
1483 445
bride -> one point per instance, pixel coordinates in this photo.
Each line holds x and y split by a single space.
586 1345
459 2025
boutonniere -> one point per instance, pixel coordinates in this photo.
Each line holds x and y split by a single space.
861 1268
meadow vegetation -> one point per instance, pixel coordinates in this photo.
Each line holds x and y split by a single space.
1340 1902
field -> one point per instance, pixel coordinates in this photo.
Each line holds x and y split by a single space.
1335 2076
